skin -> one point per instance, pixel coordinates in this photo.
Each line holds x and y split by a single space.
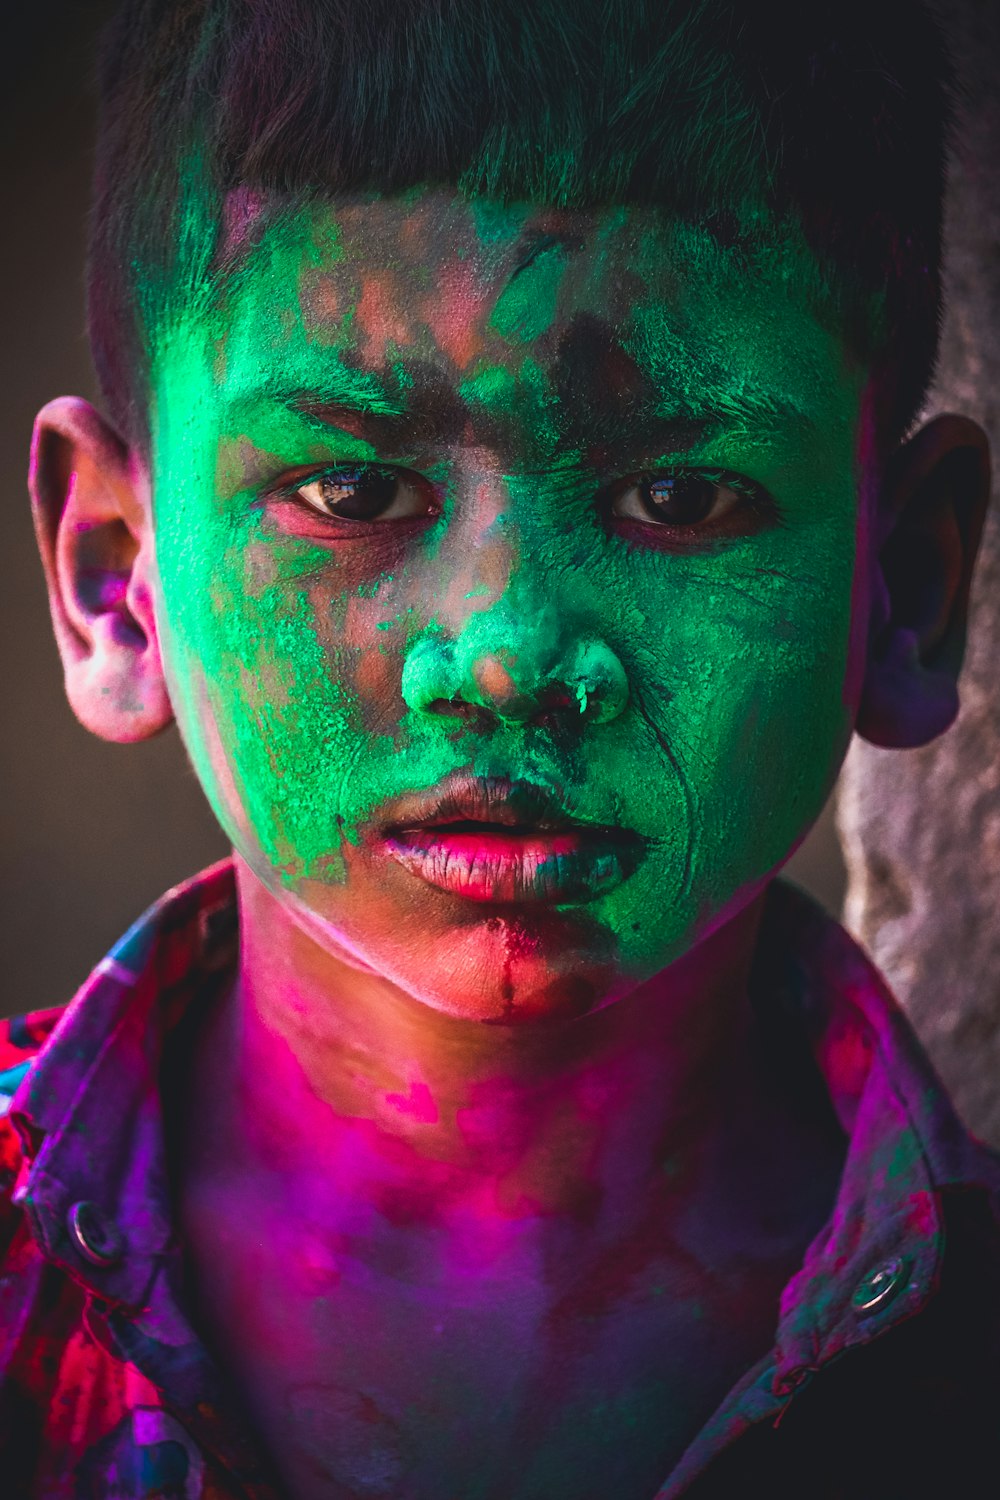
304 692
523 1160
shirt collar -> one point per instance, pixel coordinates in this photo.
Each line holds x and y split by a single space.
878 1258
88 1111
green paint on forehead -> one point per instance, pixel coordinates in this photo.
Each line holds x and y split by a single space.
496 222
527 305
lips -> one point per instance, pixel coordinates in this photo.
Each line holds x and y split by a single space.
490 839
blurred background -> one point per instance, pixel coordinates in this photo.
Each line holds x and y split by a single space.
92 833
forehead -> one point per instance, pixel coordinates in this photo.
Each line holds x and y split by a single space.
381 302
619 253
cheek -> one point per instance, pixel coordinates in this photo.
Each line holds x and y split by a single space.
362 638
738 726
289 701
770 718
264 707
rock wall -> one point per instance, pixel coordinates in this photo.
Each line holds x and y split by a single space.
921 828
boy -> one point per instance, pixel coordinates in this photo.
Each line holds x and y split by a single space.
509 485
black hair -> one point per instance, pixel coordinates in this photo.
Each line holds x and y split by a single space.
833 115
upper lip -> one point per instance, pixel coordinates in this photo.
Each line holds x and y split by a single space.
486 799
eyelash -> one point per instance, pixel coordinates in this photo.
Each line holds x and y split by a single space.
720 478
758 505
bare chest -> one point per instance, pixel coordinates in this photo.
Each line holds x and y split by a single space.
415 1377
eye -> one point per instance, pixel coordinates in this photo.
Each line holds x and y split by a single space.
368 492
685 498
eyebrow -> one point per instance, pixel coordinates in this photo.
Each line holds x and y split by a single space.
433 413
341 387
681 428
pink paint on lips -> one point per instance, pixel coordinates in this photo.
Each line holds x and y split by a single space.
491 839
503 864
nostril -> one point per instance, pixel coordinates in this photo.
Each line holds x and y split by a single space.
557 699
554 708
528 685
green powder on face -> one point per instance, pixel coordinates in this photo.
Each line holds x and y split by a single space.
735 656
520 397
495 222
527 305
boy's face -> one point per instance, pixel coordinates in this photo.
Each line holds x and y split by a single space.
446 492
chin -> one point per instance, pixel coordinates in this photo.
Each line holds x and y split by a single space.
506 966
511 970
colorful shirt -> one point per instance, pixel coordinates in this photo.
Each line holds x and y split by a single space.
883 1380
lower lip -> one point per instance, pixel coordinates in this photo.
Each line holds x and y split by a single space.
570 866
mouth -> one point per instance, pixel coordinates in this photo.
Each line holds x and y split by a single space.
490 839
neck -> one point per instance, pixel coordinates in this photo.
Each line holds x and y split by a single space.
322 1071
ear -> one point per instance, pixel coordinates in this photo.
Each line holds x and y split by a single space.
932 507
92 522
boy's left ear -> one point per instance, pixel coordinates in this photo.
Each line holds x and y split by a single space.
94 534
931 511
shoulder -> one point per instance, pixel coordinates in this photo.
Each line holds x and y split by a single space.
816 987
22 1038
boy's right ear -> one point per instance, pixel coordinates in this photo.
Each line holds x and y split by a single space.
92 521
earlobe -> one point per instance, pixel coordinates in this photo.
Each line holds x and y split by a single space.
95 541
933 502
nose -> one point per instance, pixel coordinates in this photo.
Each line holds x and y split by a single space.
522 666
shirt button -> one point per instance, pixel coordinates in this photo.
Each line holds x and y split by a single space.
882 1285
96 1237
